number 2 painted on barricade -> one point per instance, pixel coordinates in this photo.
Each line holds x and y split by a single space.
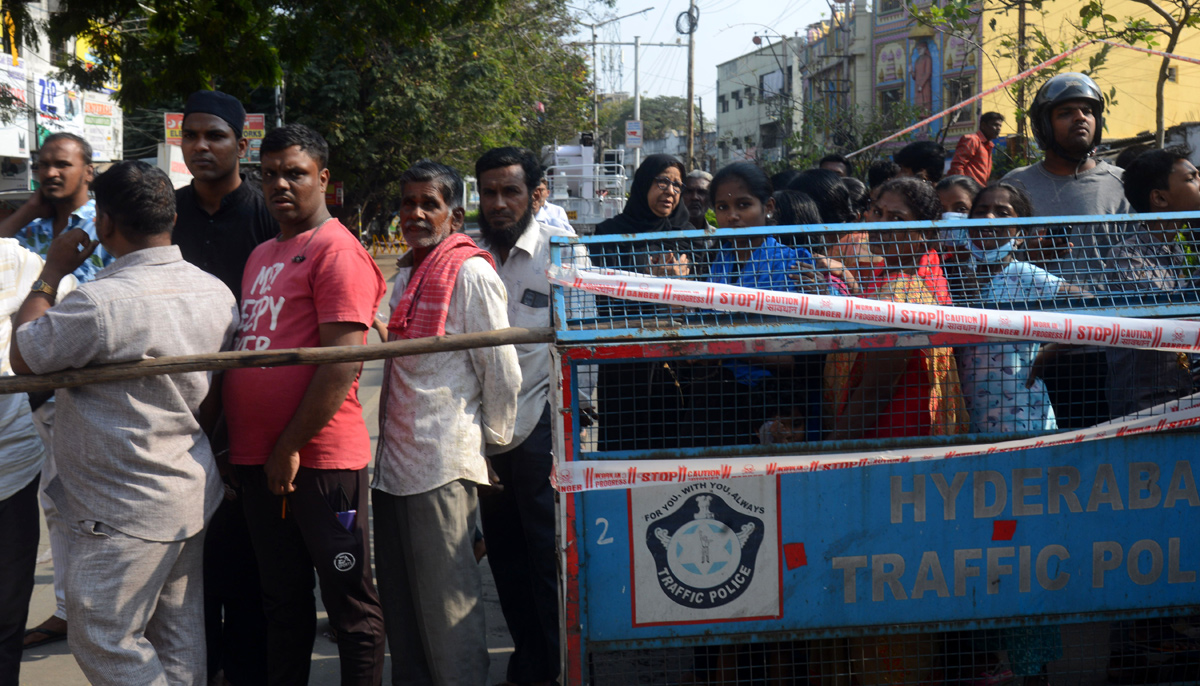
604 539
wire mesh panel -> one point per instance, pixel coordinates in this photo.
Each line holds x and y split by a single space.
1068 563
1147 651
886 574
1133 265
817 393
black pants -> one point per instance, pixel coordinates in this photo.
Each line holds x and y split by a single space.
289 547
234 623
1077 383
19 532
518 524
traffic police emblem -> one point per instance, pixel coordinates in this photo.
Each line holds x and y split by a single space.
705 552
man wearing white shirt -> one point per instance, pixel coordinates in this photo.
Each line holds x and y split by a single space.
546 212
437 413
518 520
21 457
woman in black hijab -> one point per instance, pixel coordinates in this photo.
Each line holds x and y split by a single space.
638 401
655 200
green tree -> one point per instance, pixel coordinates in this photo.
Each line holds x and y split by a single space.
448 96
828 129
1172 18
659 114
164 49
1039 37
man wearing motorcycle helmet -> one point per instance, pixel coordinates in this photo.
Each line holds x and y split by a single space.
1067 117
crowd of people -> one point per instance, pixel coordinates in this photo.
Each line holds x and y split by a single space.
189 512
994 388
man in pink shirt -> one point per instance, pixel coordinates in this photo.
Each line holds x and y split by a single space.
973 154
297 434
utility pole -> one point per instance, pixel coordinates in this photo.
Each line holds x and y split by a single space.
1022 144
596 70
703 147
691 95
595 91
637 89
637 99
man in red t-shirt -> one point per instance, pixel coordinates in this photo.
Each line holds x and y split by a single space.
973 154
297 434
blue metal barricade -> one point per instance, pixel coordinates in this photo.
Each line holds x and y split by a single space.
1071 562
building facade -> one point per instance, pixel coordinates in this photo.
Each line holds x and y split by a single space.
933 69
52 105
837 58
759 97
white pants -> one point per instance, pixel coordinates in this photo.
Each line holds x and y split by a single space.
43 421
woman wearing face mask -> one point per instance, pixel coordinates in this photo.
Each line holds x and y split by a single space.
639 401
956 193
1002 395
894 393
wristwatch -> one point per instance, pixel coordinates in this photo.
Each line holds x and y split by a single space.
41 286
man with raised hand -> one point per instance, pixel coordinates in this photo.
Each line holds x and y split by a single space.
21 456
61 203
222 218
137 481
437 412
296 434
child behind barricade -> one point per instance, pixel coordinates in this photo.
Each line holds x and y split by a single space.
1002 393
727 401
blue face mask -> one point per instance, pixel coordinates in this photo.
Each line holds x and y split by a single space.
993 256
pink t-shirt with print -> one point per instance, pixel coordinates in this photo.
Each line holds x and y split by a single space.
284 302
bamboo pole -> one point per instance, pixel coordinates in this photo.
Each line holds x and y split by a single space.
240 359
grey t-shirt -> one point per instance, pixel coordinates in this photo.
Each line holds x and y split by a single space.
1097 191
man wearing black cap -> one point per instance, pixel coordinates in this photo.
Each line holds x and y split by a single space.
221 219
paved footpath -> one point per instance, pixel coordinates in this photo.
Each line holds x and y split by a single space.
53 665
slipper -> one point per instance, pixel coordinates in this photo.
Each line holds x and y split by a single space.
51 636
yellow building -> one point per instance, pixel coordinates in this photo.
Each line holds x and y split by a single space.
1132 74
934 70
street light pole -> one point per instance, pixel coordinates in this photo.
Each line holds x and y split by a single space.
691 95
595 91
637 88
637 99
596 71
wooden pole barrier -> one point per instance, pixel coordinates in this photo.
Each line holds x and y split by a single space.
239 359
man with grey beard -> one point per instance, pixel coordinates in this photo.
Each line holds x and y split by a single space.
518 520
